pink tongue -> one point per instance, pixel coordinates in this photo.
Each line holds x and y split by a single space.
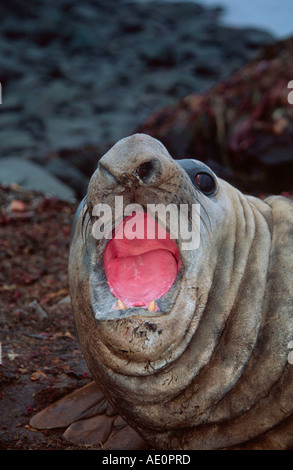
140 270
137 280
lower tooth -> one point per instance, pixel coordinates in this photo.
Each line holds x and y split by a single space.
121 305
152 306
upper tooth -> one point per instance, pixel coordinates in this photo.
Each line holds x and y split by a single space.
121 305
152 306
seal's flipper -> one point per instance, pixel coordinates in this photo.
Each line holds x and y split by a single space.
89 419
111 432
80 404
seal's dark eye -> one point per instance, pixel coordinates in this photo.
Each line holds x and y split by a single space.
205 183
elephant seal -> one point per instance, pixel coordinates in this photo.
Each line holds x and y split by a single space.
204 363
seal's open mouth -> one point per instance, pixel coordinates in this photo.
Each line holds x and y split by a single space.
141 262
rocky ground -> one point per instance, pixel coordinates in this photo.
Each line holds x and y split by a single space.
40 356
76 77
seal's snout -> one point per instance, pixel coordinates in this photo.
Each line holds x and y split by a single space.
130 169
139 160
139 266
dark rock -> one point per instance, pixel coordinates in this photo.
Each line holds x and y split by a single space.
83 39
70 175
208 70
243 124
131 24
11 104
10 70
18 8
254 38
158 54
12 141
34 125
277 156
85 159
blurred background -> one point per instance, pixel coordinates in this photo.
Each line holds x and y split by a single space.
78 76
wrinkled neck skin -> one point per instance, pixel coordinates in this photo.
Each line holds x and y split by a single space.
176 376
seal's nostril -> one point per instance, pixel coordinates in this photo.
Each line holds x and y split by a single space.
146 170
107 174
